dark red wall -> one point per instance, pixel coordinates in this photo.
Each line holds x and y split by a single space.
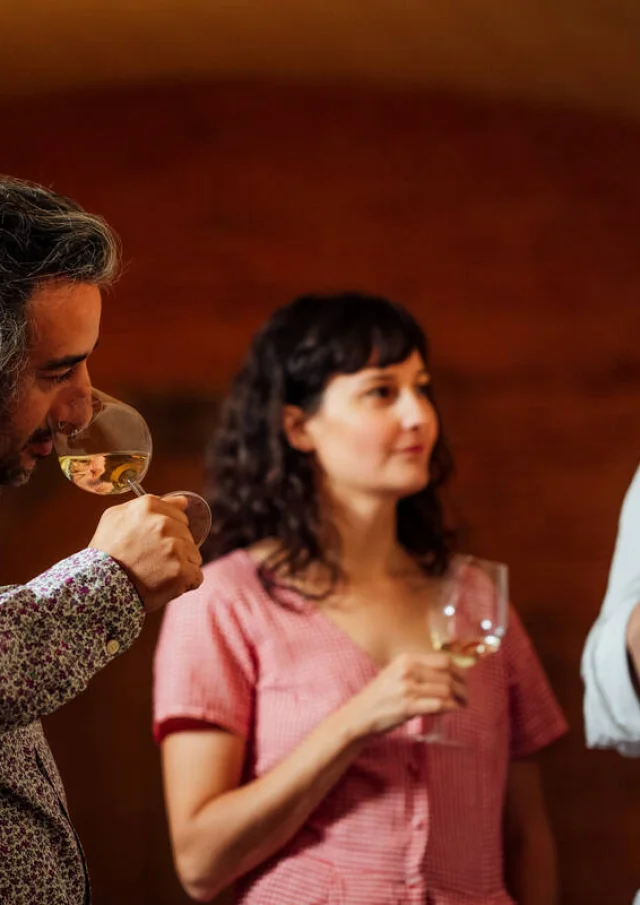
512 232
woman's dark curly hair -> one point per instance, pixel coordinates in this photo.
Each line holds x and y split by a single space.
259 486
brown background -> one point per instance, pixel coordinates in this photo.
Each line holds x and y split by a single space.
511 231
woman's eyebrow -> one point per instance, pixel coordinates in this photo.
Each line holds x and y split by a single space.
377 372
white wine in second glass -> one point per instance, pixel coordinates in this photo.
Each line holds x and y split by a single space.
107 450
469 619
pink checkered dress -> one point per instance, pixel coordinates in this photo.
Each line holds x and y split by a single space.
407 822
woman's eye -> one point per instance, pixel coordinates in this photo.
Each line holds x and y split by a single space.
381 392
423 389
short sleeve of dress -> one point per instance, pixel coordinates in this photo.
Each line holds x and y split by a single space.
534 713
204 666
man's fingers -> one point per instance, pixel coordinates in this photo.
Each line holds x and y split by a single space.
193 579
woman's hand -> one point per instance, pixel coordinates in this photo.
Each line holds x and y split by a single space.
411 685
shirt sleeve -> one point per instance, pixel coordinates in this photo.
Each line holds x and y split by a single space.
611 705
534 713
58 630
204 666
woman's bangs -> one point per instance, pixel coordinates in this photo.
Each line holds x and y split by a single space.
379 343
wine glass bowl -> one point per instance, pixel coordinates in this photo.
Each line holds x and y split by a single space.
107 448
108 455
471 619
468 619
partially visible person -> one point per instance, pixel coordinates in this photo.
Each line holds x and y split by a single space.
58 630
291 689
611 658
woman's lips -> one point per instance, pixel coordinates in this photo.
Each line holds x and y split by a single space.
412 450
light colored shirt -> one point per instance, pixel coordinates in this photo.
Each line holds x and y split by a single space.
611 704
408 822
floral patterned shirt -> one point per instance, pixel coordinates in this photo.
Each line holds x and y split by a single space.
55 633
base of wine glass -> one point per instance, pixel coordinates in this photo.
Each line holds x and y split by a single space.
197 512
436 733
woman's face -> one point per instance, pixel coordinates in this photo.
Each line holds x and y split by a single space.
374 431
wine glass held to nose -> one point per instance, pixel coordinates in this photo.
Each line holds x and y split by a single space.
106 449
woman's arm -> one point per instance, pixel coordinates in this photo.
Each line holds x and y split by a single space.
530 855
221 830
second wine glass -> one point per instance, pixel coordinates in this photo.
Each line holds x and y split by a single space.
111 454
469 619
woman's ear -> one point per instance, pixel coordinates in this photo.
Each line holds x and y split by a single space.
294 425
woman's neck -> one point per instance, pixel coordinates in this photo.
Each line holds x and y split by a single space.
369 548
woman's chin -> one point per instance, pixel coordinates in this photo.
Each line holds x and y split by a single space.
411 488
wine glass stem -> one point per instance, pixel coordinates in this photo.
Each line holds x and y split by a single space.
137 489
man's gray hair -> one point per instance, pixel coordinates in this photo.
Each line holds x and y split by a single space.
43 237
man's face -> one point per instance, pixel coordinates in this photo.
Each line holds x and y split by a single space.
63 331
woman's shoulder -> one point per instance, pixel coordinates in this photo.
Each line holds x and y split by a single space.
245 579
237 566
241 561
231 593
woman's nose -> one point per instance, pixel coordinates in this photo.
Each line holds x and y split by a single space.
416 411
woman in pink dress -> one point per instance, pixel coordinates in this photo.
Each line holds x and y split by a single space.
292 687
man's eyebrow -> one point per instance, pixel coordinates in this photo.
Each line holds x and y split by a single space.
67 361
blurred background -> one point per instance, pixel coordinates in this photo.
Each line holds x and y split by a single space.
475 159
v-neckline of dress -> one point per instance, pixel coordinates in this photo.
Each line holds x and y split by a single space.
304 604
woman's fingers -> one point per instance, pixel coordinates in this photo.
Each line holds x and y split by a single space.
437 676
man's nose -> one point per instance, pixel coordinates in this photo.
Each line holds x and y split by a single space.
73 411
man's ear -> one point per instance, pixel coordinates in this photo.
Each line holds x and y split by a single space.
294 425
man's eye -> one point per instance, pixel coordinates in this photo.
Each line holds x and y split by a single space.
58 378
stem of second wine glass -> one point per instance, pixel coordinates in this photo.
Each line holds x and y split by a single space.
135 487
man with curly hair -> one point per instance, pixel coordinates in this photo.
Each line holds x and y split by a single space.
58 630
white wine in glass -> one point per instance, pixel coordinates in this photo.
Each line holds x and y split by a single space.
469 620
107 450
106 472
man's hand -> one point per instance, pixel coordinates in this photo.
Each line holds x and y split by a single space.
150 538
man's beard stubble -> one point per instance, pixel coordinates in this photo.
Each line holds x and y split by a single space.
12 472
